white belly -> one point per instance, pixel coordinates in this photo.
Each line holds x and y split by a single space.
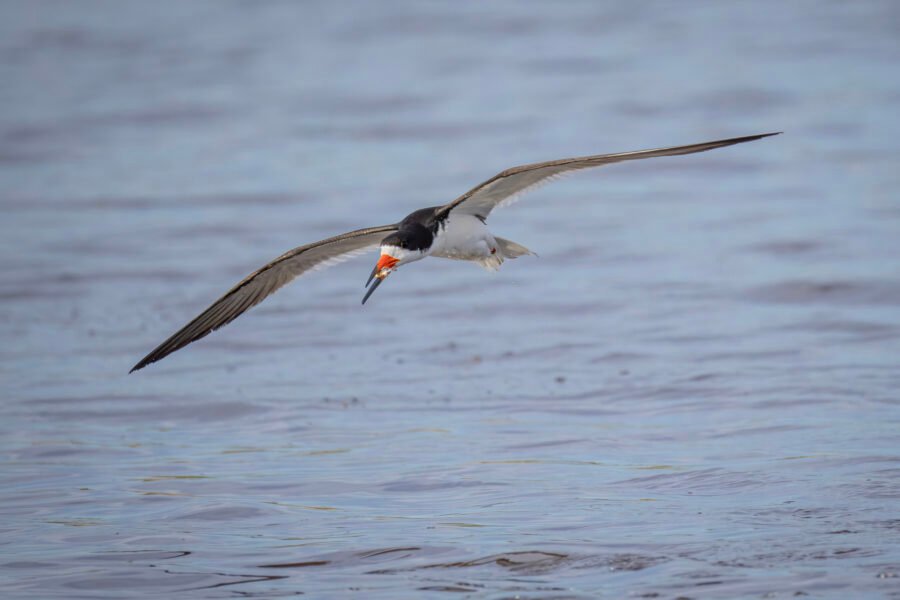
465 237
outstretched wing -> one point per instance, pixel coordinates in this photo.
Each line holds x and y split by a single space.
264 281
506 187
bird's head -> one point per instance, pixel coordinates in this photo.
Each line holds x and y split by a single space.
397 249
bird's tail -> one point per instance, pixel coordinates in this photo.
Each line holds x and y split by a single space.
511 249
505 249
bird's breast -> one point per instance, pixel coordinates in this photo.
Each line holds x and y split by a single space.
463 237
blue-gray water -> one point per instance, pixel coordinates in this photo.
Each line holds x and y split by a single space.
692 392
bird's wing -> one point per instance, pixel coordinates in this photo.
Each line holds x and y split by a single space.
264 281
506 187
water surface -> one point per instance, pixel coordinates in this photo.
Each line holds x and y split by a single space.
692 393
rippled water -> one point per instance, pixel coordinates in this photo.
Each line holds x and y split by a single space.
692 393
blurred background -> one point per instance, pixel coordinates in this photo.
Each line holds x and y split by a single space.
692 392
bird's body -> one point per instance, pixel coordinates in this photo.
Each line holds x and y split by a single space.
456 236
457 231
464 237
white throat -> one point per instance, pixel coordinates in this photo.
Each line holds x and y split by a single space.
402 255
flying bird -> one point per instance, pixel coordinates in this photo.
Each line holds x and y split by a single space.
456 230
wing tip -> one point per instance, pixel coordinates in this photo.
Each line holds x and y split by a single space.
156 355
750 138
141 364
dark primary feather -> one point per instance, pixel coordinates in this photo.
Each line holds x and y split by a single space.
254 288
506 186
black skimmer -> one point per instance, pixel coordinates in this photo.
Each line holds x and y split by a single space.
456 230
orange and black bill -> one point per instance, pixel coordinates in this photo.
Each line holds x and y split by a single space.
382 269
